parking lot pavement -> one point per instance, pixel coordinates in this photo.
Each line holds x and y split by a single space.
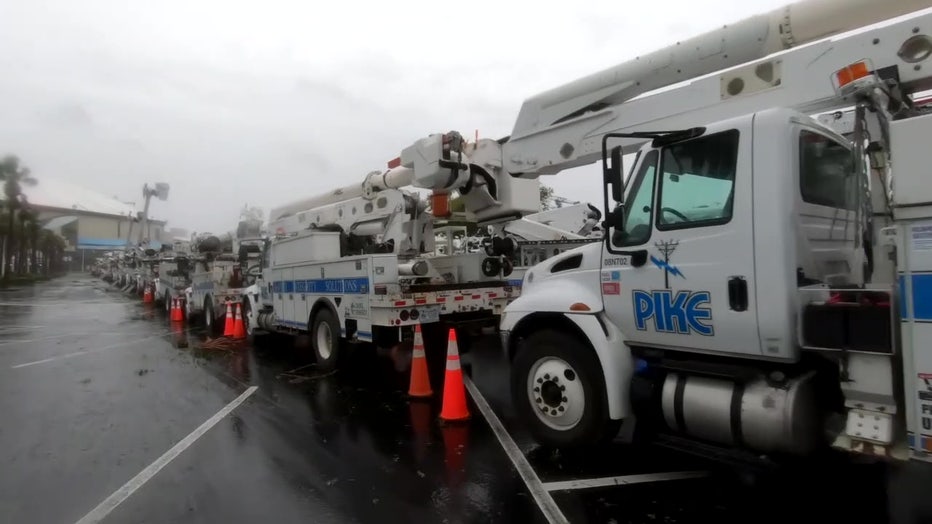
90 410
111 415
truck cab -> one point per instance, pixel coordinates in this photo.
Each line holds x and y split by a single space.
731 222
691 305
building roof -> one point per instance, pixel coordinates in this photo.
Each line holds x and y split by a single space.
58 194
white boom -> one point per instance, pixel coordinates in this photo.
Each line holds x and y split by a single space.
562 128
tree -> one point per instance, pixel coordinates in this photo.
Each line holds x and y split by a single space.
14 177
29 219
546 197
52 248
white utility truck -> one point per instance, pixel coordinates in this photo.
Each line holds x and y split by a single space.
221 271
359 264
765 282
173 276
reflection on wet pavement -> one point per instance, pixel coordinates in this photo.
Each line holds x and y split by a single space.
112 385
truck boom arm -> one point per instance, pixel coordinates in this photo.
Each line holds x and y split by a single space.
561 128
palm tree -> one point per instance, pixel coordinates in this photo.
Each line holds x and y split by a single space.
29 232
14 177
52 247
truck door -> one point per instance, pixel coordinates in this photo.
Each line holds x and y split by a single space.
688 209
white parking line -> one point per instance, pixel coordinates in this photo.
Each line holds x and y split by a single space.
54 337
96 350
623 480
7 329
61 304
546 503
110 503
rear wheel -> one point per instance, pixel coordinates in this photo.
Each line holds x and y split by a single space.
189 313
210 321
558 388
249 321
326 340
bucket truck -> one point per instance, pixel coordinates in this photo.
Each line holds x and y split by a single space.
219 270
763 283
172 273
360 264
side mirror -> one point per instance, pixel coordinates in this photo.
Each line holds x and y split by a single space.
611 174
615 219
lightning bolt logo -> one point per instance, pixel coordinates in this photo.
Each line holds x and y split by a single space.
666 248
673 270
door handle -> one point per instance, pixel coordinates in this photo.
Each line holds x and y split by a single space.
737 293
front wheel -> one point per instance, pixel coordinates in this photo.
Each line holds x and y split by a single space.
558 388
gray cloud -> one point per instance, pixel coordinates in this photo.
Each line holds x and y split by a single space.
232 102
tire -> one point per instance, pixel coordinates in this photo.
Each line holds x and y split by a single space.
167 299
251 334
189 315
565 377
326 340
210 320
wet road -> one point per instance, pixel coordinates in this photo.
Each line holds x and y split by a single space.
96 388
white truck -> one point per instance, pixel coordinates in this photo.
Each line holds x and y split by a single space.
359 265
765 282
173 273
220 272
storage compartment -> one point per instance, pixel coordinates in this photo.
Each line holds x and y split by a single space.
857 321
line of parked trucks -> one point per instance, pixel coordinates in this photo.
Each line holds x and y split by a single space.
762 279
340 279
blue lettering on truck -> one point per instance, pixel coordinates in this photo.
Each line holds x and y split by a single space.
682 312
324 286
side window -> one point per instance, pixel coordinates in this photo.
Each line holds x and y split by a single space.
698 181
638 205
826 170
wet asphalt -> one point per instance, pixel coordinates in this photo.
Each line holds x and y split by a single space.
95 386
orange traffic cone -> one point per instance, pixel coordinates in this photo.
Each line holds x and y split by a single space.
454 392
239 329
176 315
228 325
420 381
147 295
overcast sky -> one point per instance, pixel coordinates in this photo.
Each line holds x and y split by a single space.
235 102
